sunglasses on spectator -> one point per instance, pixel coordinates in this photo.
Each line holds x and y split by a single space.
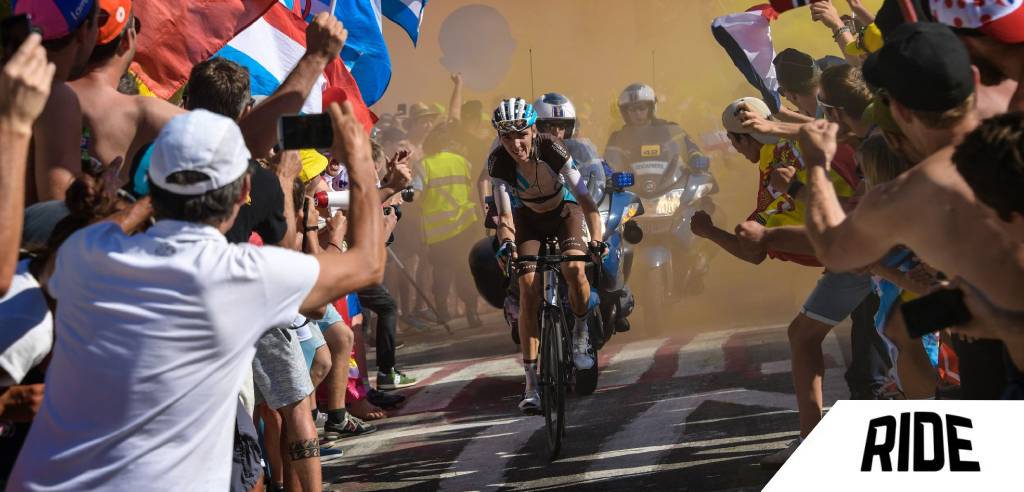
825 104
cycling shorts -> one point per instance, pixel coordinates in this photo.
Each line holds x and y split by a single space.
564 222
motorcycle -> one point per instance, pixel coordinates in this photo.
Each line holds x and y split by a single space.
672 263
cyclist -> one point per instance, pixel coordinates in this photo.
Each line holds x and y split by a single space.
539 193
645 136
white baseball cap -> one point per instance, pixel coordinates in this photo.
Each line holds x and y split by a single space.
203 142
731 119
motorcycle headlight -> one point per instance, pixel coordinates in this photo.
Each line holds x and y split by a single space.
666 204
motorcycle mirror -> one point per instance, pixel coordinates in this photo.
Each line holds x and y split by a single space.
623 180
632 233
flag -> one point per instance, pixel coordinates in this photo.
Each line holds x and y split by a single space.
272 46
365 53
781 6
408 14
747 38
179 35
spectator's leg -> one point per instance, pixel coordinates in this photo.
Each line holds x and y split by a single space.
359 345
444 276
340 340
869 357
272 442
805 338
379 300
918 377
300 448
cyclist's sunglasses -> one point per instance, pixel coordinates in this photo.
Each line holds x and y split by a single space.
512 126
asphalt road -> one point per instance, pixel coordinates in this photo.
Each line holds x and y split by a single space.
690 412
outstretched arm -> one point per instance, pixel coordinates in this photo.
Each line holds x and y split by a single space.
325 37
363 264
24 89
702 226
455 103
844 242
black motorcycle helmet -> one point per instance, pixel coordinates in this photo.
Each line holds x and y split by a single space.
490 280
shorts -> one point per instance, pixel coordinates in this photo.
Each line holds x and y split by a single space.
245 459
279 371
311 344
564 222
331 317
836 296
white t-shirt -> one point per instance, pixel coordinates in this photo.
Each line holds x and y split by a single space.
27 334
155 331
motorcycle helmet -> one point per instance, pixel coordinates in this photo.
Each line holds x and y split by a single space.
487 275
556 108
513 115
637 93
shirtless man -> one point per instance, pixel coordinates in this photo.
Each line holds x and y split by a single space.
926 76
69 34
118 125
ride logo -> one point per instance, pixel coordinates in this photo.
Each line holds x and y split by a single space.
931 434
933 445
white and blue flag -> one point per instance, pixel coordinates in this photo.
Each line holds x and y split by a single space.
408 14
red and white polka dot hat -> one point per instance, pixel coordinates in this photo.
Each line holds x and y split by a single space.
1000 19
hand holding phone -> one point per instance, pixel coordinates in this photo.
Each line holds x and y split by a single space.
25 84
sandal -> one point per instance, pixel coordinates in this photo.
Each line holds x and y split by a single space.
365 410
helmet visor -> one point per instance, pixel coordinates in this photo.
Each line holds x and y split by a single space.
512 126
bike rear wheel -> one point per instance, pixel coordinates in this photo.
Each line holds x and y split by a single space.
553 379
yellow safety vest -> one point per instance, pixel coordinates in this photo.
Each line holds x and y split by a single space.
448 207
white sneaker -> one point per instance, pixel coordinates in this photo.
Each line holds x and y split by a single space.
581 356
531 403
779 458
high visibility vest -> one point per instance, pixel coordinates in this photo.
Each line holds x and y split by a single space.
448 208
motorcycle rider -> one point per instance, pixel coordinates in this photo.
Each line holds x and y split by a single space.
637 104
551 199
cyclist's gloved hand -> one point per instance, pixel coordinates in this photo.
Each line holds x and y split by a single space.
599 248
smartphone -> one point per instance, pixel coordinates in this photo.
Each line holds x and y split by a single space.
933 312
305 131
402 109
13 31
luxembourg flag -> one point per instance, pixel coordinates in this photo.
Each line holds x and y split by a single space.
272 46
408 14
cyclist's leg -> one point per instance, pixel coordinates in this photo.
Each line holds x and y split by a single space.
529 305
575 274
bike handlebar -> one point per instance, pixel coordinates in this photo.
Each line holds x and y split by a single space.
550 259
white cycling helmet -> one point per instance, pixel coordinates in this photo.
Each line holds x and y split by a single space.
513 115
556 108
638 93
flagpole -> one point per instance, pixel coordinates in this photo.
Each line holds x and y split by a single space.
533 91
334 3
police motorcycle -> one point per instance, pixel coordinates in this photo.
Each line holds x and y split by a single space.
672 180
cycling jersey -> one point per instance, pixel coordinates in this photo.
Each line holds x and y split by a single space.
550 179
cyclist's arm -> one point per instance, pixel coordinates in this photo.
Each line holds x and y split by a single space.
503 202
579 190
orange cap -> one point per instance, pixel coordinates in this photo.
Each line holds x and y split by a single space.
113 17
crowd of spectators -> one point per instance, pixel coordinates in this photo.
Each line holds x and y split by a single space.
896 172
176 259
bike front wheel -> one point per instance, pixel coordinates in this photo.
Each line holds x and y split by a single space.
553 382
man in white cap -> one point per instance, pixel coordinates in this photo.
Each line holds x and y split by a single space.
157 329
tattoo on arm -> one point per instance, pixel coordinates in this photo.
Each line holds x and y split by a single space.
307 448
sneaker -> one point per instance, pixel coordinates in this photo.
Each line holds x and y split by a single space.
531 403
386 401
320 419
778 458
581 353
394 380
328 455
350 426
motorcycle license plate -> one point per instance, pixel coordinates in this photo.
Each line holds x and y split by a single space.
650 167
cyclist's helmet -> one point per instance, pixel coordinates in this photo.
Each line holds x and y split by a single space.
637 93
513 115
554 108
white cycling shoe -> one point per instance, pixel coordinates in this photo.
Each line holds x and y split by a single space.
581 354
531 403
